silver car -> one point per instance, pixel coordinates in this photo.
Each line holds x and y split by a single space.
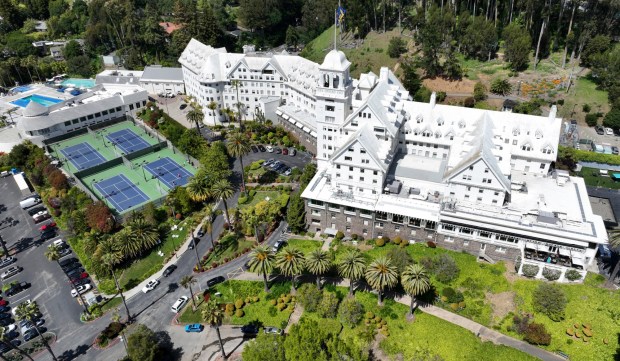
10 272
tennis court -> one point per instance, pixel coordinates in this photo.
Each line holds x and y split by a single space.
169 172
120 192
127 140
82 156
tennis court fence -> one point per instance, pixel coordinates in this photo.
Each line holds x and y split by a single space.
98 168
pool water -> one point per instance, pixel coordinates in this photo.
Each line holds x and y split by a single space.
43 100
21 89
78 83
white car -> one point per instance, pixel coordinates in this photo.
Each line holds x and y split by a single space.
609 131
150 285
81 289
10 272
9 328
269 149
178 305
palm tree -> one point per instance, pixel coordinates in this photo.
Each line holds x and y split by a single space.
222 189
126 245
229 113
143 233
212 106
198 187
291 263
352 266
238 146
614 243
261 262
9 344
195 116
187 282
53 254
318 262
30 311
236 84
212 315
415 281
209 213
110 258
381 274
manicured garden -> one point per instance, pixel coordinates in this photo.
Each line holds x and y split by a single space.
592 177
305 245
491 299
228 248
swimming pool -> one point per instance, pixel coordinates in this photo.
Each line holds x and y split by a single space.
43 100
21 89
78 83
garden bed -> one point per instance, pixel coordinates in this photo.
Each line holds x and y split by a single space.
227 249
305 245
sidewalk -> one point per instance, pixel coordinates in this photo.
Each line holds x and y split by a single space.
484 333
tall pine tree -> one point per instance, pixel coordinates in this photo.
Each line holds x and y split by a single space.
296 214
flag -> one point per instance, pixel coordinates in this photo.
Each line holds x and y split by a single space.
340 12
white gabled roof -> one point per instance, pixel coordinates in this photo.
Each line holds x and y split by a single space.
367 140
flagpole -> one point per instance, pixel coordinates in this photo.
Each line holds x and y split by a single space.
335 28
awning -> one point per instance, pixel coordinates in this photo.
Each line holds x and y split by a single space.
313 133
306 129
330 232
285 117
292 122
299 125
278 112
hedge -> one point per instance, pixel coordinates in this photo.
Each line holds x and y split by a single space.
530 270
587 156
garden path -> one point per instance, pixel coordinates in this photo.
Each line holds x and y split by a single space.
295 316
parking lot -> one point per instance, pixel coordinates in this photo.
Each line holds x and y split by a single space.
299 160
49 287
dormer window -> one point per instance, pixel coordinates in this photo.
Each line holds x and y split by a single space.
437 134
539 134
450 135
427 133
461 124
547 150
526 147
419 118
516 131
440 122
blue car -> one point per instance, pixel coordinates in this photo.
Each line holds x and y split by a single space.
194 327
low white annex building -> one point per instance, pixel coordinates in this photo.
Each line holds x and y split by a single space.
157 79
468 179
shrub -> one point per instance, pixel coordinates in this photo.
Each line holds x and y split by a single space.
550 300
255 299
273 302
501 87
230 307
573 275
354 236
570 331
537 334
520 323
396 240
329 305
587 332
586 108
591 119
551 274
479 92
448 292
454 306
281 306
239 313
379 242
369 315
243 200
431 244
462 304
445 268
530 270
396 47
309 296
272 311
339 235
239 304
469 102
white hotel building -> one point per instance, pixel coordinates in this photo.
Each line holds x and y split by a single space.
467 179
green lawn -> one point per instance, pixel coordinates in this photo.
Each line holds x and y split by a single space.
111 304
592 178
261 196
228 247
305 245
588 302
143 268
261 312
584 92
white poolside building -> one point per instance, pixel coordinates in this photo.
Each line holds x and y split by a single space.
467 179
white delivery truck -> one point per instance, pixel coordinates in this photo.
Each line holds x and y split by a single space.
29 202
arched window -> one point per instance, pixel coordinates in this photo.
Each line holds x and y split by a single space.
336 81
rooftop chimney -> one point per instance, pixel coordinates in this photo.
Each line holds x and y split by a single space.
433 99
553 112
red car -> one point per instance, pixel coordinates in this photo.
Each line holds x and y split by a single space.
285 151
82 276
3 302
48 225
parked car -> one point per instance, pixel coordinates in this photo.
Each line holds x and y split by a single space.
81 281
292 152
194 327
10 272
7 321
273 331
47 234
279 243
261 148
40 218
9 329
3 302
76 278
254 149
178 304
182 106
284 151
268 162
288 171
64 252
48 225
4 316
35 210
614 150
67 261
277 150
75 273
609 131
275 164
4 309
72 267
215 280
168 271
7 261
281 168
32 333
269 149
599 130
80 289
249 329
193 243
150 285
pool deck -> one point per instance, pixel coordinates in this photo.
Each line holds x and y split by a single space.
39 89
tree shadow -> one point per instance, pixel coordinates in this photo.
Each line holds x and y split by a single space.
23 244
268 177
153 302
167 351
74 354
617 355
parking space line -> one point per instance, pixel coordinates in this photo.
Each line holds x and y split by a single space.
17 301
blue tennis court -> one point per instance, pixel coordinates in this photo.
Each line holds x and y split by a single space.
127 140
83 156
121 192
169 172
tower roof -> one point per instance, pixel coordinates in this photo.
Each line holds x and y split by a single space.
335 60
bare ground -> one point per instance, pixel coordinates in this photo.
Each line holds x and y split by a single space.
501 303
450 86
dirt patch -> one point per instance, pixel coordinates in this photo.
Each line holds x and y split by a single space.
378 353
450 86
501 303
510 274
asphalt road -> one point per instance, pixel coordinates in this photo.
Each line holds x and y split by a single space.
153 308
49 285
